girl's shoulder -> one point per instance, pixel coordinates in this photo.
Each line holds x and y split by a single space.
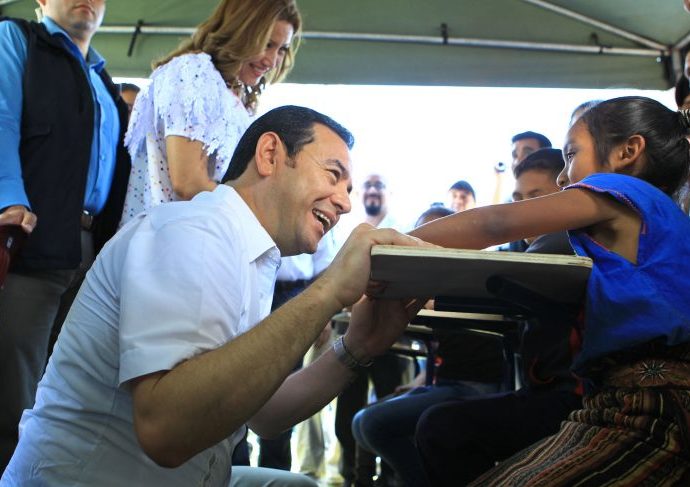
629 190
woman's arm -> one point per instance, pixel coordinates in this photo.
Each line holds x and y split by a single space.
188 167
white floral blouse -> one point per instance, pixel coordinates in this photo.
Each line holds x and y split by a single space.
187 97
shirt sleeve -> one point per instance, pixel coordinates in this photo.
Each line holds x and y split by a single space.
182 293
13 54
192 100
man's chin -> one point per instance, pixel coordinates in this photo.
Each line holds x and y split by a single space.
372 210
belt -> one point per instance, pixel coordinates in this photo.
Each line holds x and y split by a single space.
286 286
86 220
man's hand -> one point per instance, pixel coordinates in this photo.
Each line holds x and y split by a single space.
348 275
19 215
375 324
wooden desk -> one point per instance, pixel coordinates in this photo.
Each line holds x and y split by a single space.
489 292
467 274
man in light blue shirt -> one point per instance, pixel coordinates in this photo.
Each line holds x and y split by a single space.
63 176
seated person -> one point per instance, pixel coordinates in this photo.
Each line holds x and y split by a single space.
470 365
625 159
459 440
388 427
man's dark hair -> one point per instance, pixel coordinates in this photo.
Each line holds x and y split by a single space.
542 160
129 87
463 186
295 127
435 211
543 141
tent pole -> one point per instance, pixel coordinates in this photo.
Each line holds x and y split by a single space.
599 24
412 39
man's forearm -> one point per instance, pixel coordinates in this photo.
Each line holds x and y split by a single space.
203 400
302 394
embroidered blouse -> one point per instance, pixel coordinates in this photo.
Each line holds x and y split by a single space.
187 97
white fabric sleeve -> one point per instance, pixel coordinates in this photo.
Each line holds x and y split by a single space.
181 295
191 100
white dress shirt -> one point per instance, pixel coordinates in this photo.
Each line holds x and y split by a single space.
184 279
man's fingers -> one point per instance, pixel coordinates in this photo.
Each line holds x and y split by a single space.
19 215
413 307
28 222
388 236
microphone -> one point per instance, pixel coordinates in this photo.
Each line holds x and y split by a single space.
500 167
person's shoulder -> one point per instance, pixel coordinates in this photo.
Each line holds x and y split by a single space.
191 63
14 30
190 76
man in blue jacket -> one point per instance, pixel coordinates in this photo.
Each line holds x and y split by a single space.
63 175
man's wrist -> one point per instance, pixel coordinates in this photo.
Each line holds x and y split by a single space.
347 358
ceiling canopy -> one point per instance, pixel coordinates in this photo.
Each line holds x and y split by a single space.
554 43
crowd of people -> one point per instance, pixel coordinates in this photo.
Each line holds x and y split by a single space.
172 258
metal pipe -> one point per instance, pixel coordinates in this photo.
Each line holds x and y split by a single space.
683 42
413 39
599 24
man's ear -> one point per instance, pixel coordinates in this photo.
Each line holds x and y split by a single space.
269 148
627 155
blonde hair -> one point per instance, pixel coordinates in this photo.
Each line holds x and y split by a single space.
237 31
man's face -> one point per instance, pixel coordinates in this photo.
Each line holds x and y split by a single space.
522 148
129 96
77 17
374 195
533 183
313 191
461 200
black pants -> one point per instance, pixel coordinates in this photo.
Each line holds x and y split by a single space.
386 374
460 440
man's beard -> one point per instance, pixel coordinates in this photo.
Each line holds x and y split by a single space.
373 209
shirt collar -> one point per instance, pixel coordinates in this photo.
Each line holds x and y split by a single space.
260 242
93 58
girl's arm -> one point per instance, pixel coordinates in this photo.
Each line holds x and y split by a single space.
188 167
492 225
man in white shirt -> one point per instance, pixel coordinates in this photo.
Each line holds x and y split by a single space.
169 349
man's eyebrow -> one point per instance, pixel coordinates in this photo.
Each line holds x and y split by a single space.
345 174
336 162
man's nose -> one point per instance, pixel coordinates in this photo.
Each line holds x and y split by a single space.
342 201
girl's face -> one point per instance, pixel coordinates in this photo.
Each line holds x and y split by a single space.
580 156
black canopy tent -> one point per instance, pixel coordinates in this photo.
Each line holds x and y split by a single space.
538 43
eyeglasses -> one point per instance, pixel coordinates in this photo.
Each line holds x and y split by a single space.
378 185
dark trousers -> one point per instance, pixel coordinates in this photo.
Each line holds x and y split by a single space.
386 373
460 440
32 304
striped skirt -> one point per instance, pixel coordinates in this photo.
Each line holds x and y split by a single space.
633 432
